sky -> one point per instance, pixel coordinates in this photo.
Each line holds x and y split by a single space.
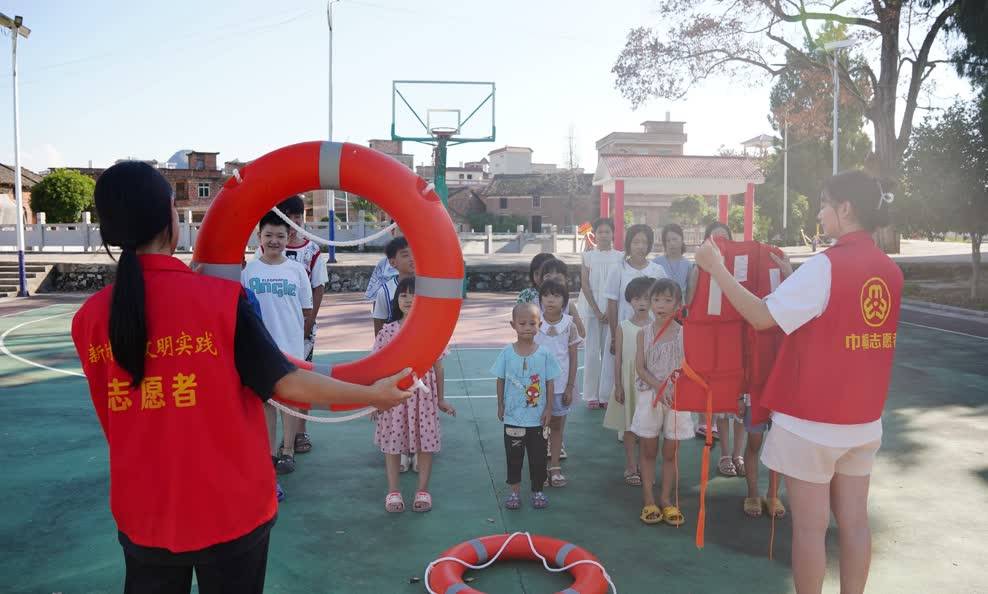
104 80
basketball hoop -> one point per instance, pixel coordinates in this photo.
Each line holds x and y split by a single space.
443 132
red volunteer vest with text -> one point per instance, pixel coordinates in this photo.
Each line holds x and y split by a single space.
836 368
189 458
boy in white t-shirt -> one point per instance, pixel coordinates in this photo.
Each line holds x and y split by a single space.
284 292
400 257
308 254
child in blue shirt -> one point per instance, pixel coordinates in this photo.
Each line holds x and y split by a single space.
525 375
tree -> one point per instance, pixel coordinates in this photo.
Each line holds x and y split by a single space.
692 211
946 179
63 195
735 220
702 39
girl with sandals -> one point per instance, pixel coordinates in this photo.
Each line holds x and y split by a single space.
638 242
621 408
827 425
658 355
413 426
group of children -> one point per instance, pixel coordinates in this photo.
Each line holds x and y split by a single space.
634 349
625 317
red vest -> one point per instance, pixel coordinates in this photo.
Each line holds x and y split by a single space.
836 368
189 460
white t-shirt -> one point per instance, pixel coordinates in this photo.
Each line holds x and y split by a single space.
557 339
601 264
617 282
382 300
283 291
309 255
800 298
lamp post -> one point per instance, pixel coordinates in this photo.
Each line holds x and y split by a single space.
16 26
331 194
785 178
835 47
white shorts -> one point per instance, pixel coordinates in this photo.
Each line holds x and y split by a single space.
649 422
792 455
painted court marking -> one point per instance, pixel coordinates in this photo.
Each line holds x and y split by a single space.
943 330
6 351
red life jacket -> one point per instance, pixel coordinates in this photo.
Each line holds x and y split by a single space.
836 368
713 335
190 465
761 346
723 355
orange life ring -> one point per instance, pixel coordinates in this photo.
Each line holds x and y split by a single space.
446 577
408 199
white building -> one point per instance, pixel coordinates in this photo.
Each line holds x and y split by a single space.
511 160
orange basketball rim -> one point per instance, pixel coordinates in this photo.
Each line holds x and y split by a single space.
408 199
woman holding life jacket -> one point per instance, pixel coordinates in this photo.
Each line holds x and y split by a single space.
828 386
179 367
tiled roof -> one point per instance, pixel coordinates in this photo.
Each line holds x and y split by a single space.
561 183
28 177
681 167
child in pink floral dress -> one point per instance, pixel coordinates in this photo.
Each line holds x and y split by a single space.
413 426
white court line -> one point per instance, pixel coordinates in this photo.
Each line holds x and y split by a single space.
24 311
6 351
943 330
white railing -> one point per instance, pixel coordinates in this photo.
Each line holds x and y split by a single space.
85 237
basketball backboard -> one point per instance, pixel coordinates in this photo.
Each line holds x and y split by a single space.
462 111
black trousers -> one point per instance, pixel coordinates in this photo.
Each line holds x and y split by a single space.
240 573
517 441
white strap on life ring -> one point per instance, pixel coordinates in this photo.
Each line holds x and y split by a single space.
323 241
417 384
504 545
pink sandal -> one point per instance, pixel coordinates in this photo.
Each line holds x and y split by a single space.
423 502
393 503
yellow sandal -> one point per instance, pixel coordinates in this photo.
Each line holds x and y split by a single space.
651 514
773 505
672 516
753 507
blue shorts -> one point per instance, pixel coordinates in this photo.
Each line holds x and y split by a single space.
759 428
558 409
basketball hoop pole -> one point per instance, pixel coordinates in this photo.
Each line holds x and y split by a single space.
439 162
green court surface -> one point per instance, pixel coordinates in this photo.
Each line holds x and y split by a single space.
929 490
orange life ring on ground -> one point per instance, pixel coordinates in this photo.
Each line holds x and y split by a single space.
408 199
446 577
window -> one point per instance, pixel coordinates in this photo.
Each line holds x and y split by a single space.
204 189
503 204
536 201
461 176
469 176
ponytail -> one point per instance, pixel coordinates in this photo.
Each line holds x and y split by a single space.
134 204
128 324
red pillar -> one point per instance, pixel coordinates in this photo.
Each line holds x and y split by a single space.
619 214
722 212
749 212
605 203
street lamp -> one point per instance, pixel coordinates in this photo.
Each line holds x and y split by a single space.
16 26
836 46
